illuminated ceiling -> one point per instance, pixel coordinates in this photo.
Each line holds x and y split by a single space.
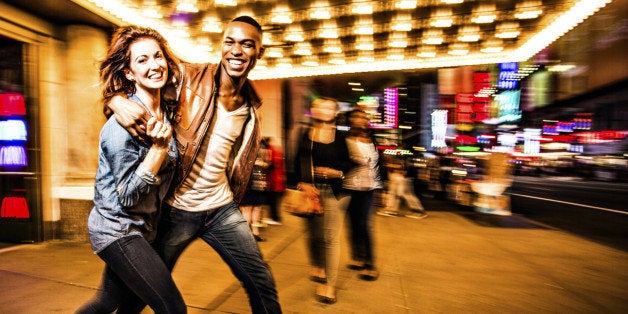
308 38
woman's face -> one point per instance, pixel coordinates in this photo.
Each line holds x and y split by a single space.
323 110
359 121
148 68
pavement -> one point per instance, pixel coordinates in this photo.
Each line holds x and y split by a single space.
453 261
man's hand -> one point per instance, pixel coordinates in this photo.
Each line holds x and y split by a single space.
131 115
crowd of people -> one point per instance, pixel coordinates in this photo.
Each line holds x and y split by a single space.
182 157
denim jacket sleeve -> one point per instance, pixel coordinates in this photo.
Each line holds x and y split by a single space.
125 155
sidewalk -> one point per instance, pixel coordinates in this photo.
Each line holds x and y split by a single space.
450 262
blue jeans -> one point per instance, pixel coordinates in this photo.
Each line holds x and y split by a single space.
134 269
225 230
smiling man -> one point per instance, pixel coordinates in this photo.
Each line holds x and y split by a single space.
217 129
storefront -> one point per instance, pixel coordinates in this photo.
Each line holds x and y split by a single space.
50 115
20 175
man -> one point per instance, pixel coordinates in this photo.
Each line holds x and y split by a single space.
218 134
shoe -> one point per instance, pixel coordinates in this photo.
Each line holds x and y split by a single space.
386 213
355 265
259 225
326 294
370 274
272 222
318 275
417 216
258 238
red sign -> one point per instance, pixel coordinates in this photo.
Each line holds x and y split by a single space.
462 97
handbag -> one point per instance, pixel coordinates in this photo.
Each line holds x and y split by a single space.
296 202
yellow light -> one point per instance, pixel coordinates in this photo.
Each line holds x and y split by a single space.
188 6
469 33
329 30
311 61
365 56
268 39
362 8
529 9
492 46
320 10
273 52
281 15
337 59
484 13
332 46
211 25
405 4
402 22
284 63
226 3
294 33
398 40
433 37
442 18
303 49
364 26
507 30
395 54
426 52
364 42
458 49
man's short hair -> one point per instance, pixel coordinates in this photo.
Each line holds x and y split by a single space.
248 20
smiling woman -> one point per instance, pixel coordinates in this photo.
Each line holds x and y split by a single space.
132 179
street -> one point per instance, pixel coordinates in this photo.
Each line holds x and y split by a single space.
595 210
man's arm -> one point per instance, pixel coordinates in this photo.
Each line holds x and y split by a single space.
131 115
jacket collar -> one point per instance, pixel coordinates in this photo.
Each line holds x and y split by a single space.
250 94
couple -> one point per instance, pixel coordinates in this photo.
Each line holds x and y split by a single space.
155 192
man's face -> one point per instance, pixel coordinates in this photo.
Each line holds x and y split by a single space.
241 47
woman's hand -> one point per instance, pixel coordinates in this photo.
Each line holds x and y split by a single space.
313 194
158 132
327 173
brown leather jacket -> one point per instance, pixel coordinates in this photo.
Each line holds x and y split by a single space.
196 93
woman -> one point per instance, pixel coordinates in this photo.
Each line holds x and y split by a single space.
133 177
361 182
321 162
256 197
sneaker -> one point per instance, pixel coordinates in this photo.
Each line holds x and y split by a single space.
386 213
272 222
417 215
369 274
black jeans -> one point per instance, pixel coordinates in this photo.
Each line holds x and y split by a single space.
134 269
360 214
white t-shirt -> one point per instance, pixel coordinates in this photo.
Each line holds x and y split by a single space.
207 185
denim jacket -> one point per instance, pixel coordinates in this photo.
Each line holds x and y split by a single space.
127 198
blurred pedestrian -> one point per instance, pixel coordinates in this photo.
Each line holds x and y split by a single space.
133 177
321 161
401 188
362 181
276 183
256 197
